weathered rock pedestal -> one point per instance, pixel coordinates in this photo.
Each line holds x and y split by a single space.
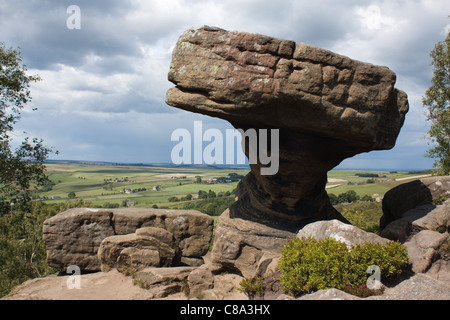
327 107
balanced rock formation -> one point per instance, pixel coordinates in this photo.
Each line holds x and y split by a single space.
327 107
132 237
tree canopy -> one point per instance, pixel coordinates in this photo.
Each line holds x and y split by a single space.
21 167
436 100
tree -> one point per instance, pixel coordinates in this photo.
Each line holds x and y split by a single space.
211 194
22 253
22 168
349 196
202 194
352 196
366 197
71 195
198 179
342 198
437 101
234 176
333 199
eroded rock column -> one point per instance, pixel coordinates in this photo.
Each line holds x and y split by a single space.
327 107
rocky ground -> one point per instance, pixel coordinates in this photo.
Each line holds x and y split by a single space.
114 285
423 228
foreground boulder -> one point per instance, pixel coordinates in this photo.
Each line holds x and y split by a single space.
206 281
423 249
147 247
327 107
147 237
162 282
247 247
415 206
417 214
339 231
418 287
425 193
74 236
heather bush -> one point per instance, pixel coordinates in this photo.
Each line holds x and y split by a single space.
308 265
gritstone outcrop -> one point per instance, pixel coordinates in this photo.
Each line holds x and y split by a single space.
326 106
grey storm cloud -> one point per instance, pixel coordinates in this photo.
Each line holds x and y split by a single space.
39 28
103 89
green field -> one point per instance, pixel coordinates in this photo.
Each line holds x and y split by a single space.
101 184
341 181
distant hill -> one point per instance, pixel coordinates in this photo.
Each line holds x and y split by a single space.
131 164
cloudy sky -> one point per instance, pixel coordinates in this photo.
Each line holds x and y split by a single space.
104 85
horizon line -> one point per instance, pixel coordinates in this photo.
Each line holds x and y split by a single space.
120 163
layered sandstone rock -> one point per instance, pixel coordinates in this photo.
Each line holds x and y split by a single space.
327 107
339 231
136 237
414 199
147 247
417 213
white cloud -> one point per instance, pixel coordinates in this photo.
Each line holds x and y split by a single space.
375 19
436 6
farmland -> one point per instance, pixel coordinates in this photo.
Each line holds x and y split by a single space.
141 185
340 181
147 186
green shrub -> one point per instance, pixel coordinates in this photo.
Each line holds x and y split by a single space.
109 205
252 287
22 251
438 200
213 207
364 215
173 199
308 265
23 254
